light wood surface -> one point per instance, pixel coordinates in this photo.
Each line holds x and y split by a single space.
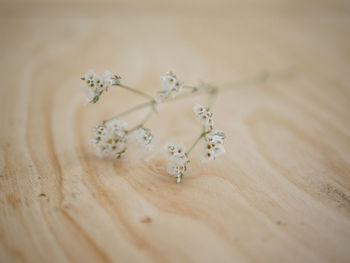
280 194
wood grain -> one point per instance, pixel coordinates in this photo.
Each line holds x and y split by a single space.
280 194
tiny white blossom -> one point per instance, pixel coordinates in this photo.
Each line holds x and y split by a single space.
204 116
110 147
214 133
170 149
110 140
177 167
89 78
170 85
95 85
117 127
198 109
176 151
213 146
91 93
143 136
100 131
107 80
177 157
207 156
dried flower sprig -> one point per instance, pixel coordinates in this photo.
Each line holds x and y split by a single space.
170 85
111 138
143 137
95 85
213 145
178 160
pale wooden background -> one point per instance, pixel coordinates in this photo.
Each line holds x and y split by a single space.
280 194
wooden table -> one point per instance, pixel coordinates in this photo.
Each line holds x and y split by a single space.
280 194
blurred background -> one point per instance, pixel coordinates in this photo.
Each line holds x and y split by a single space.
51 43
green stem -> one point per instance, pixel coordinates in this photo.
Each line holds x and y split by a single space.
131 110
187 94
196 141
212 97
259 78
262 77
143 122
135 91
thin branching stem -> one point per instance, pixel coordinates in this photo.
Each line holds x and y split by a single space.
132 109
212 97
197 140
202 89
257 79
141 93
143 122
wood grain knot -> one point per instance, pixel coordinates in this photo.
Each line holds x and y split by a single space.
146 220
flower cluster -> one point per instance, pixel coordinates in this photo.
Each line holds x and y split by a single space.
110 139
213 145
143 136
213 139
95 85
177 157
204 116
170 85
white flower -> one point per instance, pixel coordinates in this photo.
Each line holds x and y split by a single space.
107 80
89 78
198 109
213 146
177 167
207 156
111 147
176 151
203 115
92 94
211 135
170 85
100 131
143 136
95 85
110 139
177 157
117 127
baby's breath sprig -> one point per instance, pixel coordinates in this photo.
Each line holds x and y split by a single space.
111 138
213 145
171 85
178 160
95 85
